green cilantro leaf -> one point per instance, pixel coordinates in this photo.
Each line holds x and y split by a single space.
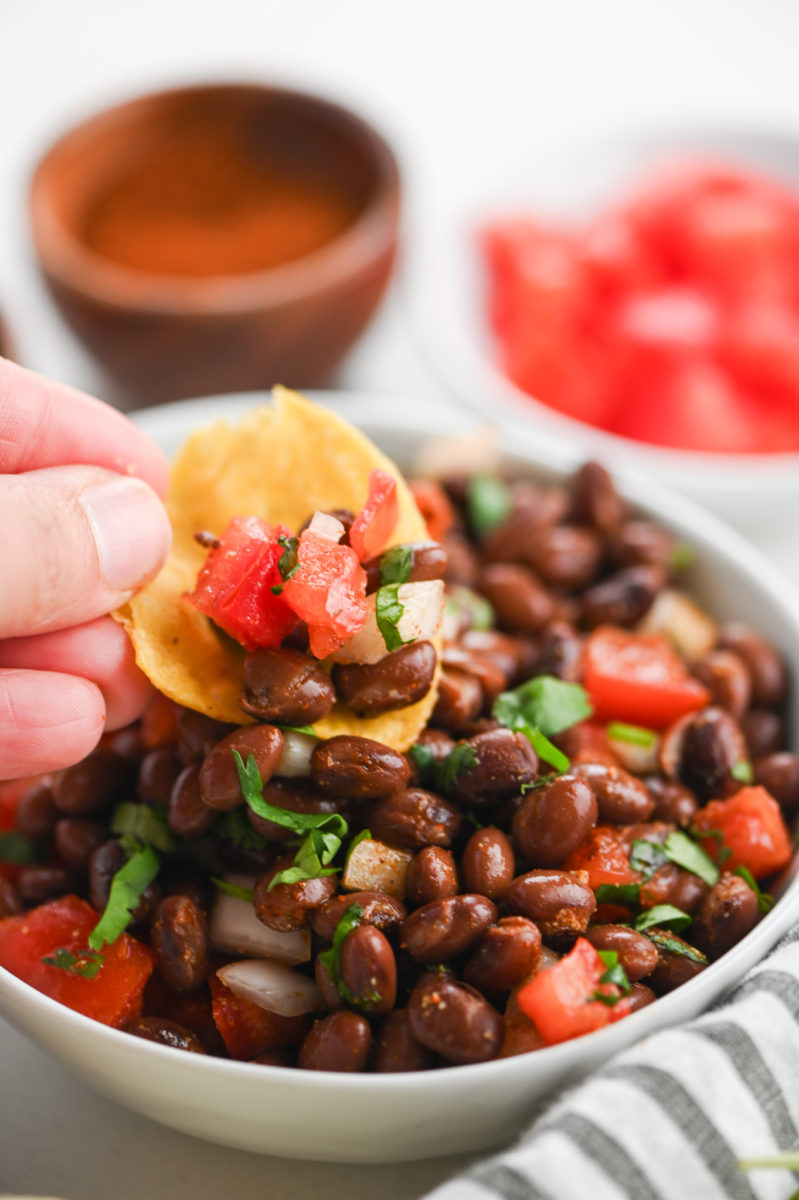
742 771
545 750
722 852
234 827
538 783
675 945
127 887
635 735
460 600
545 703
681 557
85 963
765 902
232 889
615 974
680 849
142 824
395 565
330 959
458 762
388 614
252 791
662 914
288 562
306 729
425 762
647 857
488 503
625 894
14 848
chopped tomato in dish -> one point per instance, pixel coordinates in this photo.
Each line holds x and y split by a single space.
246 1028
561 1000
113 996
752 830
638 678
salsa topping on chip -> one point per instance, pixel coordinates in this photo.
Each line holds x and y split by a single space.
276 523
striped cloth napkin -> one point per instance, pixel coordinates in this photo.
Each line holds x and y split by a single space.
671 1118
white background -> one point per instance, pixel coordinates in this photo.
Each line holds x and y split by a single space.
448 81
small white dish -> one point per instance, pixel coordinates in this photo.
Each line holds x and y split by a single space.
444 291
385 1118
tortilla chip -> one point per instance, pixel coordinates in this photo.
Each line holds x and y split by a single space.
280 463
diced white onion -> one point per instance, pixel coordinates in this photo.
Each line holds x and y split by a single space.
637 759
295 761
273 986
680 618
423 605
326 526
375 867
235 929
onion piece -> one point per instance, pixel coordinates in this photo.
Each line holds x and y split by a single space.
375 867
423 605
635 758
295 761
273 986
235 929
327 527
690 629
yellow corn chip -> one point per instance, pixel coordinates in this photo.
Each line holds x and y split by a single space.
280 463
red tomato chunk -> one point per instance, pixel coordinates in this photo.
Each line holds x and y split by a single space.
752 829
560 999
638 678
372 528
113 997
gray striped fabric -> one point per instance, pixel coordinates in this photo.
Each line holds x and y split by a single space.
670 1118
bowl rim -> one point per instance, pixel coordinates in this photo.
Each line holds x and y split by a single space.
67 262
457 358
709 532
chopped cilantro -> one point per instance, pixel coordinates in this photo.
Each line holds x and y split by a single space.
306 729
127 888
635 735
142 824
742 771
441 774
625 894
681 557
765 902
615 974
330 959
539 783
680 849
722 852
545 703
488 503
232 889
675 945
662 914
364 836
288 562
14 848
462 600
647 857
395 565
85 962
234 827
388 614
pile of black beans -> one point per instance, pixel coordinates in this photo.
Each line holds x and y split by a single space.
429 977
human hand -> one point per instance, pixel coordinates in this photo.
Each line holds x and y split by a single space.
81 528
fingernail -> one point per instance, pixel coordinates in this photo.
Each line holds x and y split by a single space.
130 528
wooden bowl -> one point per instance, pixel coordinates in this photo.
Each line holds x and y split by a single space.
217 238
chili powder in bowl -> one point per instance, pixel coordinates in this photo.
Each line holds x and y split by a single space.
217 237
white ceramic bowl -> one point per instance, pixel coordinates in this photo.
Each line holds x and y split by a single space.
443 286
384 1118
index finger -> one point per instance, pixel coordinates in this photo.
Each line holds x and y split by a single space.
47 424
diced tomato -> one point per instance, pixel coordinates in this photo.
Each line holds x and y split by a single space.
603 856
559 1000
638 678
234 586
433 503
246 1028
752 829
372 528
113 997
328 592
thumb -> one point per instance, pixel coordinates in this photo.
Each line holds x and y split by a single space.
76 542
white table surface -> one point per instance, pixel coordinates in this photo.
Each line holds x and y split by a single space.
443 78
